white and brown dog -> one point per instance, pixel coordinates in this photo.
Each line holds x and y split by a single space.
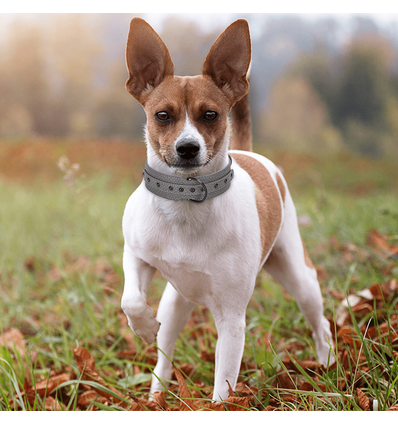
206 217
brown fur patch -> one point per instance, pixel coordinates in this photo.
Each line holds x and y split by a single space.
282 188
307 258
267 200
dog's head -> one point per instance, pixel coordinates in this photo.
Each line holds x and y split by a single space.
187 117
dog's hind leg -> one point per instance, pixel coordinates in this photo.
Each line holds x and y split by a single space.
290 265
173 314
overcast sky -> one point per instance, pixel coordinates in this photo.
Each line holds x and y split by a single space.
210 14
385 7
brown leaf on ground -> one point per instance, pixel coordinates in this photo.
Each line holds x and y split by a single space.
232 404
380 242
383 291
385 332
30 264
288 381
236 404
127 354
146 405
158 397
89 396
337 295
207 357
349 336
363 400
43 388
186 402
51 404
86 365
322 274
244 389
230 390
13 338
394 408
307 386
47 386
310 366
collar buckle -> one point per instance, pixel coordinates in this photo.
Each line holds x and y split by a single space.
204 189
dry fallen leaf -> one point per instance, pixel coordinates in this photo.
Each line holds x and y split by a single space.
186 402
310 366
13 338
88 396
158 397
244 389
235 404
363 400
51 404
86 365
349 336
380 242
47 386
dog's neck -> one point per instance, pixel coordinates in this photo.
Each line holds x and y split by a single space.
217 163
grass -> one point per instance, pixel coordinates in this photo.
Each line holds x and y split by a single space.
61 283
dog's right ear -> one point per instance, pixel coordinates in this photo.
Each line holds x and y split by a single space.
148 60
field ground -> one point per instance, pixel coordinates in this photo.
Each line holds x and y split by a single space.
65 343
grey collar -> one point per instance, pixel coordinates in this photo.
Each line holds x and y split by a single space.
195 189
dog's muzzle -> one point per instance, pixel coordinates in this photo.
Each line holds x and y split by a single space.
194 189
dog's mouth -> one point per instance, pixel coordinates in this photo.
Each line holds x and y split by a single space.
189 165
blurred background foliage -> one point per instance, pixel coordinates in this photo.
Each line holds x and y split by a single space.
314 85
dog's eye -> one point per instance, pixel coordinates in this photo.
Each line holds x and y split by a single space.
162 116
210 116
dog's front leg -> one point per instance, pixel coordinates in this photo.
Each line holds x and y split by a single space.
229 351
173 313
137 277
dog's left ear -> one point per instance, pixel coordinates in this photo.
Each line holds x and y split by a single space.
228 60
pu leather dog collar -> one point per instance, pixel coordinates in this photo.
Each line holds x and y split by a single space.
194 189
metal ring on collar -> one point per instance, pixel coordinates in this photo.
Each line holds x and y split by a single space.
204 188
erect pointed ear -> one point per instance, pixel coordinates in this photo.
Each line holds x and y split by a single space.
228 60
148 60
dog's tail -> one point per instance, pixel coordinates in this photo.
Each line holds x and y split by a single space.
241 137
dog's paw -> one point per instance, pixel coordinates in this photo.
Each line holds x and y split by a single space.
146 329
142 321
324 345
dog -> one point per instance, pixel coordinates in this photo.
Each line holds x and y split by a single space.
208 218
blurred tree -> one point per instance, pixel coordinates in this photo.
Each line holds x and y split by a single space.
357 88
319 70
116 112
366 66
24 88
73 46
296 118
360 109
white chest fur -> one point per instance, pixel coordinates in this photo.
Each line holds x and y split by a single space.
195 246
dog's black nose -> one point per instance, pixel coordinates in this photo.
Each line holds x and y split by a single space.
187 149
